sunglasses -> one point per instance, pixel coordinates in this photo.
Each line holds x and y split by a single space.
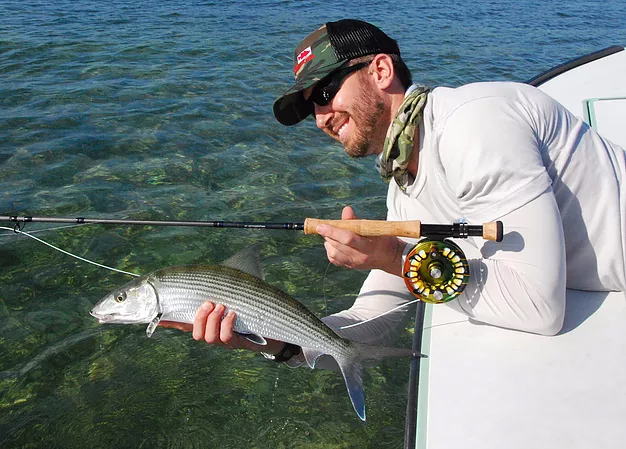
326 89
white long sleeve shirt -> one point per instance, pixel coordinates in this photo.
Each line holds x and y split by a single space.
507 151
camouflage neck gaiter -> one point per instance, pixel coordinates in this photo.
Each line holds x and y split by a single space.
400 137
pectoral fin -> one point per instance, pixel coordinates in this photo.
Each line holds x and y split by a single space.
241 328
153 325
254 338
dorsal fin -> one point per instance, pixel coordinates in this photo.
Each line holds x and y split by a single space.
247 260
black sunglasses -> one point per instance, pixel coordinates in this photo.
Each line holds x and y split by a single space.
326 89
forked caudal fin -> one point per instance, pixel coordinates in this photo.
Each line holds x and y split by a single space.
353 376
352 370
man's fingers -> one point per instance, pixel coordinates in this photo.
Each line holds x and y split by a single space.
347 213
213 323
343 236
226 330
199 322
217 328
335 255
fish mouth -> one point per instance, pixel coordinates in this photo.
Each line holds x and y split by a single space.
101 318
114 318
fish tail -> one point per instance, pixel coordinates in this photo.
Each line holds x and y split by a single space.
352 371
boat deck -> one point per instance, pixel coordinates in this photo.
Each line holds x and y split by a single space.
495 388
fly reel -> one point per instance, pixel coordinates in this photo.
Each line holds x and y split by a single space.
436 271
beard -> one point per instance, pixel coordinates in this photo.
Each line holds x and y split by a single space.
366 113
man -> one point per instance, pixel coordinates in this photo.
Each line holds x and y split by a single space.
481 152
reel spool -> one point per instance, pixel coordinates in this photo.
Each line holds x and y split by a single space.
436 271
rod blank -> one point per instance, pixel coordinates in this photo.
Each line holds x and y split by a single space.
205 224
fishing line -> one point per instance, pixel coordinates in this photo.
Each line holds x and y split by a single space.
380 315
445 324
56 228
18 231
324 287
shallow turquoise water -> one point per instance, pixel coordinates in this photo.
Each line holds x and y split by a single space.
160 110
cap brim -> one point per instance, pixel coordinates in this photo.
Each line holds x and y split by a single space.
291 107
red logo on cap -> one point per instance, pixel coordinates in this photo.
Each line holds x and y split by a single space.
305 56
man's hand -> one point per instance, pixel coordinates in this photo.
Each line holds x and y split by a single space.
216 328
347 249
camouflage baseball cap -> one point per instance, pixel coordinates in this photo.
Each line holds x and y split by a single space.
324 51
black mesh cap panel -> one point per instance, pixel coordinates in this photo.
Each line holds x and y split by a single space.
353 38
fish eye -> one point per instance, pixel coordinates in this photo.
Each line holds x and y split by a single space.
121 297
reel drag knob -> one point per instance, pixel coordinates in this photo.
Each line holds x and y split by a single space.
436 271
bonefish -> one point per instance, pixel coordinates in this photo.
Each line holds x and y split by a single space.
263 312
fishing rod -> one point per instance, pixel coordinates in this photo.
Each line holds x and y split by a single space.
366 228
435 270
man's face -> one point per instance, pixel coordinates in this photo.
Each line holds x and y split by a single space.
355 116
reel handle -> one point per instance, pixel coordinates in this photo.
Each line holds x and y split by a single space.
493 230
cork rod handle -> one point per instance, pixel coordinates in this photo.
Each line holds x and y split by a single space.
368 228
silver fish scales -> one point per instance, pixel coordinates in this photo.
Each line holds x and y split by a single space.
263 311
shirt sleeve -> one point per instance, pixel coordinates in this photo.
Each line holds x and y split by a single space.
519 283
491 157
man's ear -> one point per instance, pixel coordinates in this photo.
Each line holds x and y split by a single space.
382 70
